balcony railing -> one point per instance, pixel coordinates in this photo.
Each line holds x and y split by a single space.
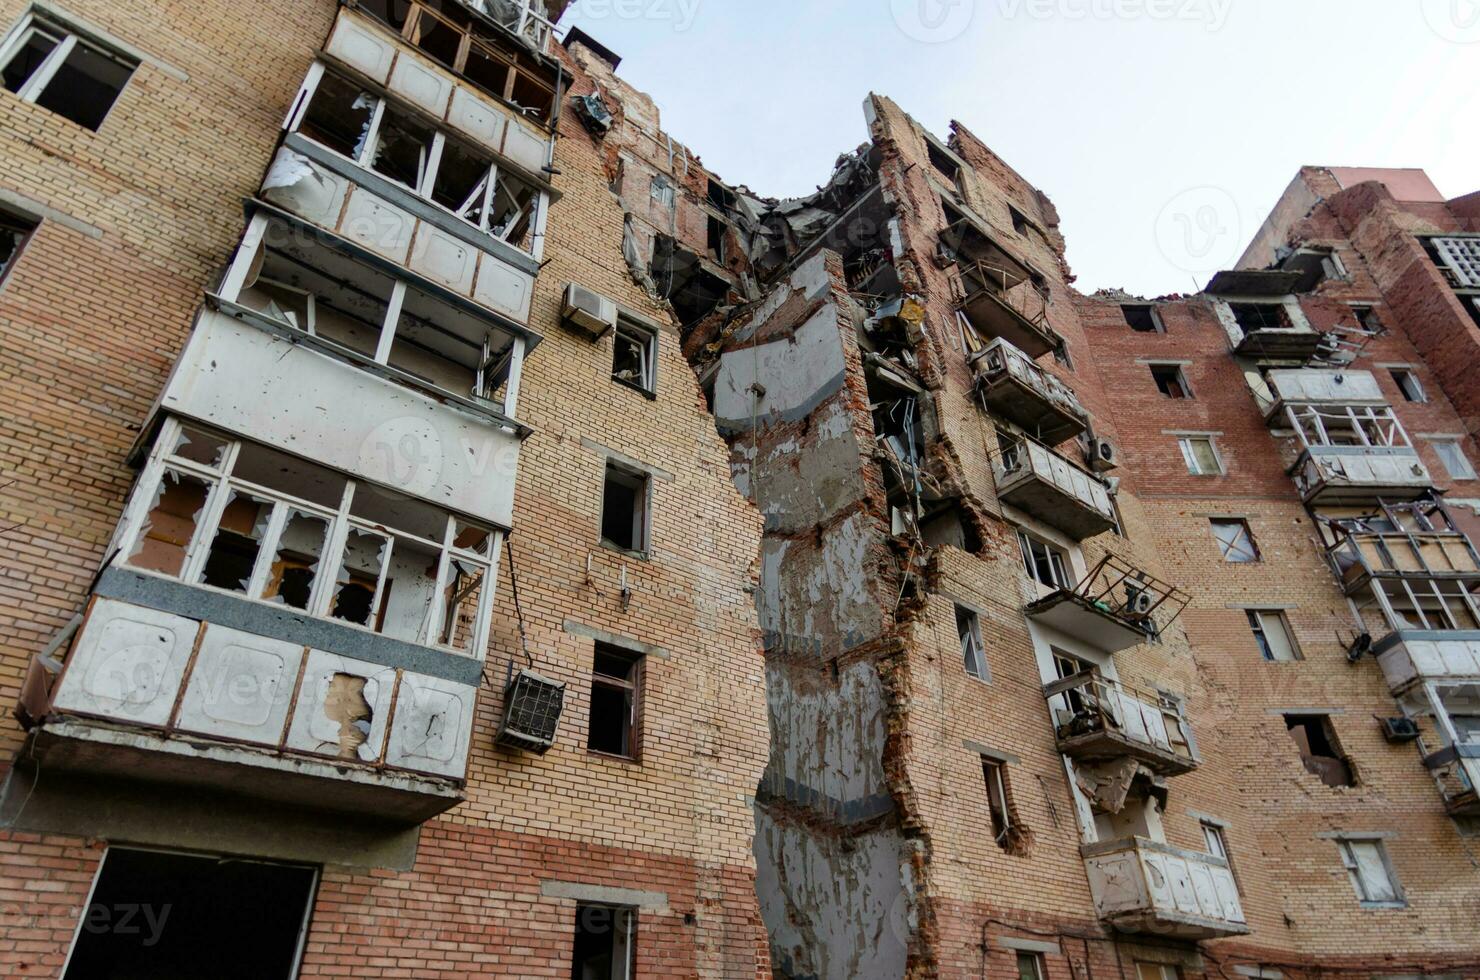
1418 540
1143 886
1097 718
1411 657
1320 387
1039 481
1013 386
1001 303
1456 771
1360 474
1116 607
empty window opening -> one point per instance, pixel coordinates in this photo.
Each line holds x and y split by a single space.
605 943
973 653
634 356
1273 635
1157 971
1409 385
1045 563
944 164
1235 540
1020 222
58 70
1367 318
662 192
1142 319
1200 456
1371 872
160 915
1009 834
15 231
1066 665
1030 967
1456 464
624 509
616 689
1260 316
1315 737
717 229
1170 380
721 196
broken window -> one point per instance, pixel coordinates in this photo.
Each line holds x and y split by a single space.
1215 839
605 943
1200 455
57 69
1030 966
635 356
973 652
1006 831
1020 222
1142 318
15 231
339 115
257 522
1367 318
1315 737
662 192
1047 564
616 694
717 229
1157 971
403 148
1408 384
945 165
1456 464
162 915
1235 540
1260 316
1170 380
1371 872
624 509
1273 634
721 196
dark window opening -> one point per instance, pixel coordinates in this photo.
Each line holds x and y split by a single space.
634 353
1315 737
1409 385
616 690
624 506
15 231
717 240
1142 319
1020 222
66 74
403 148
969 629
605 941
238 542
392 12
944 164
721 196
1367 318
1007 831
1170 381
1260 316
338 116
164 916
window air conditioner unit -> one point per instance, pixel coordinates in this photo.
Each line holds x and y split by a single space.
1399 730
532 706
588 311
1138 601
1103 455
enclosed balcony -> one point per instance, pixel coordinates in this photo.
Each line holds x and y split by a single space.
1116 607
1041 482
1147 887
1418 541
995 289
1096 719
1012 385
270 628
1259 317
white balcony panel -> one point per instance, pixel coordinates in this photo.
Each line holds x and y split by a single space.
445 259
432 727
362 47
503 288
329 718
301 187
421 86
1410 659
1334 387
1331 472
241 686
477 117
1145 886
379 226
127 664
263 387
527 148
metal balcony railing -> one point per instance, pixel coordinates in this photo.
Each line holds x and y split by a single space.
1097 718
1115 607
1012 385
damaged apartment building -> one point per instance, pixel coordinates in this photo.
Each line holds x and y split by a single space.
451 532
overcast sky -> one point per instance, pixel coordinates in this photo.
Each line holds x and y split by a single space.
1163 130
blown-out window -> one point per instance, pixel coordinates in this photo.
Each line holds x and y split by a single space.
58 69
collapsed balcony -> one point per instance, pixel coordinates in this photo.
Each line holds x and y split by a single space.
1417 540
1096 718
1451 703
1144 886
274 628
1041 482
1256 317
996 291
1116 607
1012 385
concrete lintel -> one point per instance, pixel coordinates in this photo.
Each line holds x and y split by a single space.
990 753
1262 606
627 461
1357 835
612 639
1306 711
605 895
36 209
1030 946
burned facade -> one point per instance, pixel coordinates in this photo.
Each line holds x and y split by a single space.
455 532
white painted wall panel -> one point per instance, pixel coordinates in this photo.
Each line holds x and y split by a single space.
444 259
381 227
363 48
478 118
421 86
241 686
504 288
432 726
127 664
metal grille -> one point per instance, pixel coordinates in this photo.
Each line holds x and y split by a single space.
532 706
1462 255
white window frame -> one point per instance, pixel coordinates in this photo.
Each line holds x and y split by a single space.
68 38
642 512
1364 889
1245 536
1457 465
663 191
994 776
973 650
1194 468
222 484
647 339
1259 624
1215 836
1060 565
1408 385
490 186
1036 959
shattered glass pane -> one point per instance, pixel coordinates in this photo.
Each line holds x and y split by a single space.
471 537
514 204
237 543
460 604
462 182
296 561
199 447
365 553
403 148
170 524
339 116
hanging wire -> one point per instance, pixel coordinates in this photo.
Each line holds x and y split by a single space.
518 608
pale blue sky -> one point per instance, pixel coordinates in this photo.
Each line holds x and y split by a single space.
1142 119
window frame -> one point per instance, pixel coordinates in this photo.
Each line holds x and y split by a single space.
1035 964
1459 461
222 483
68 37
642 516
1179 379
1157 325
1228 548
647 339
1256 620
1189 457
999 801
1060 563
1408 385
973 649
626 932
1346 846
24 227
633 688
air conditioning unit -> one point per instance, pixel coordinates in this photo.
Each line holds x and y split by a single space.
1103 455
532 706
589 311
1138 601
1399 730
